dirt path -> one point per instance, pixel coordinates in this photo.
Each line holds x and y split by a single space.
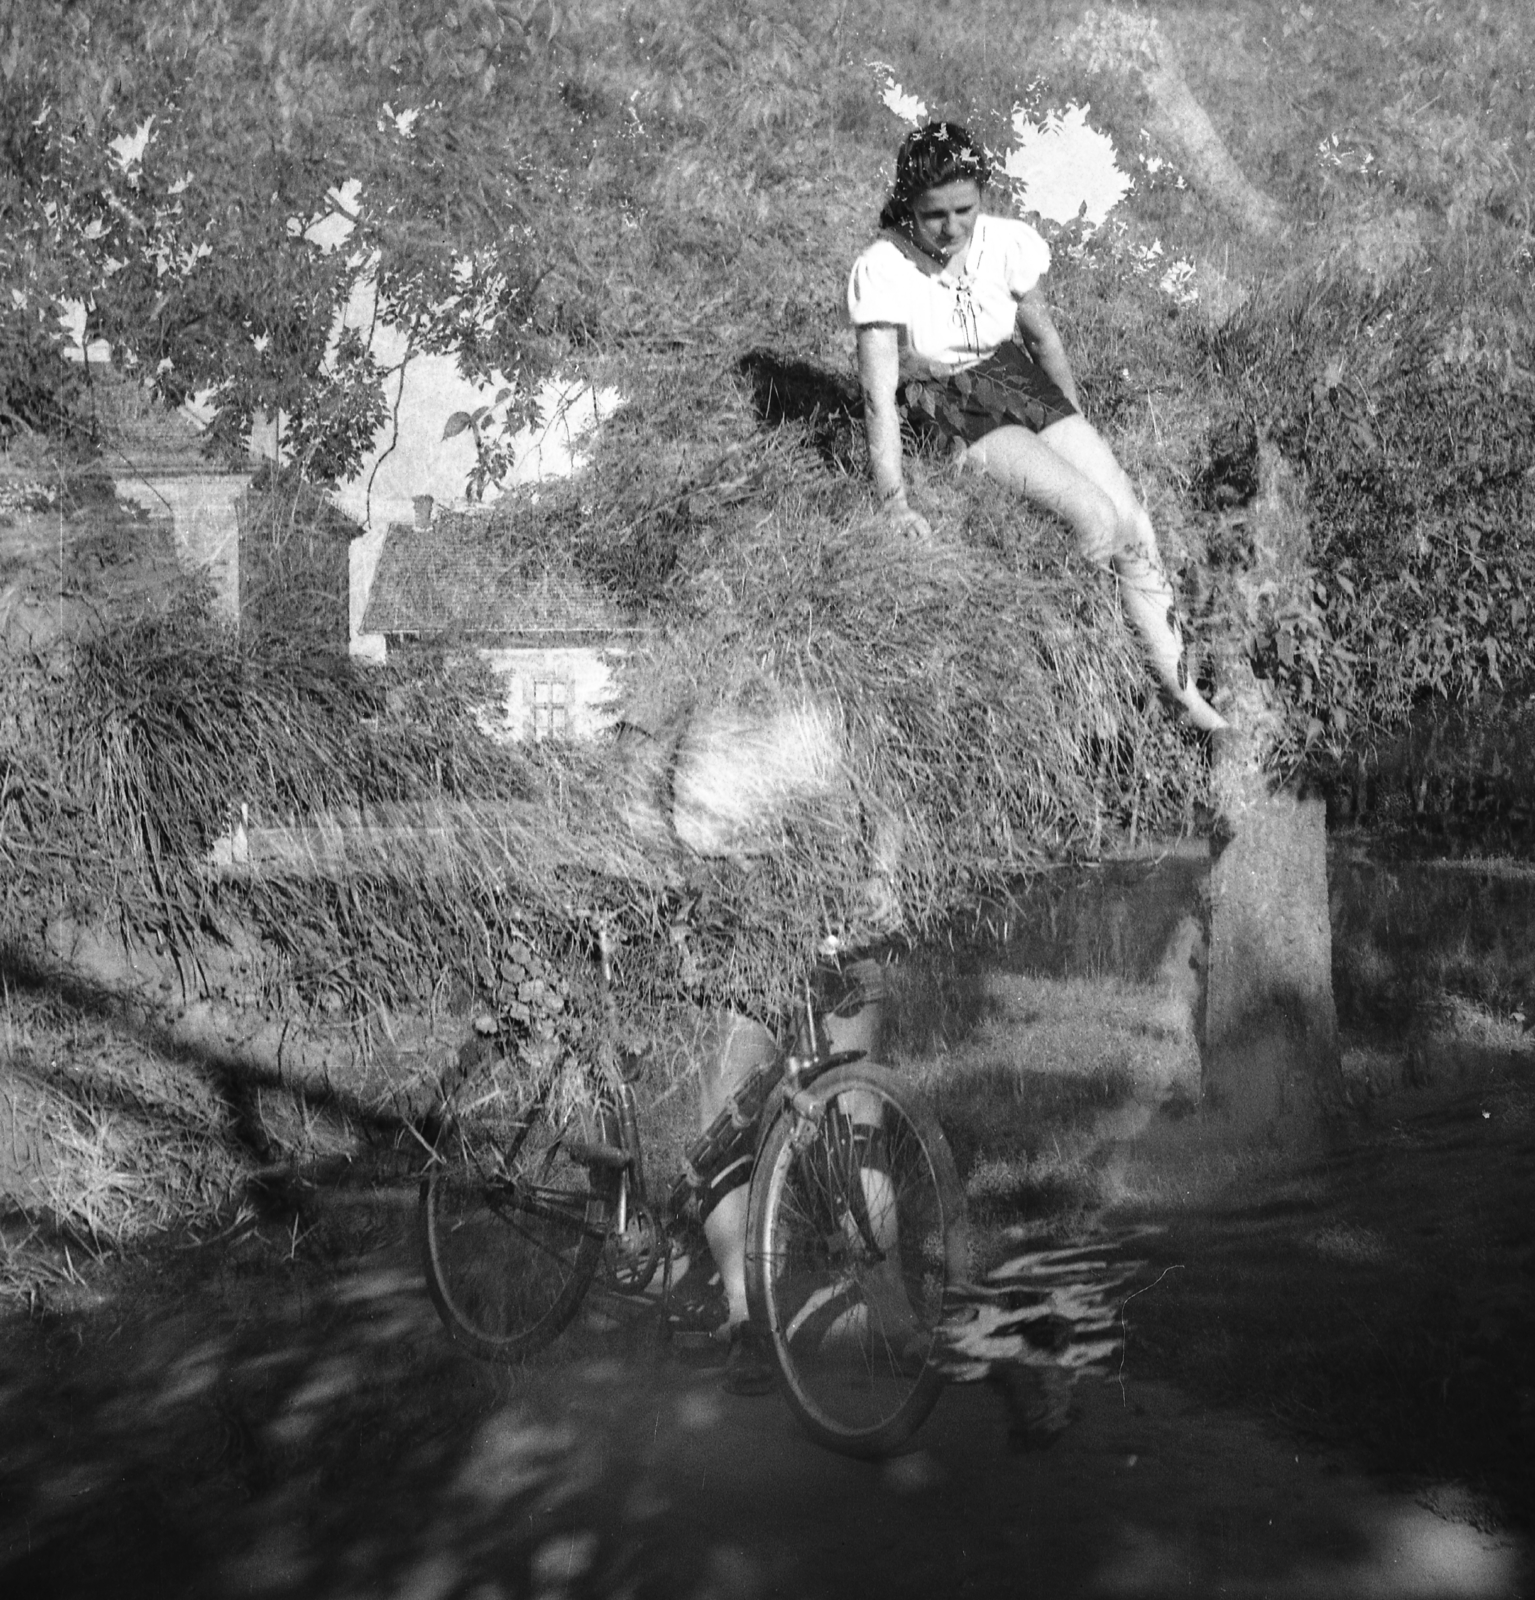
305 1429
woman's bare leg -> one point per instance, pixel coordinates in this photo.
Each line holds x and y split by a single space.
1045 477
1069 470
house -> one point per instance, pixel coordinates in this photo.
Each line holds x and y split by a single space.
155 458
279 560
459 580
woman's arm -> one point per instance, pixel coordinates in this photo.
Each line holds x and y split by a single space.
879 371
1039 337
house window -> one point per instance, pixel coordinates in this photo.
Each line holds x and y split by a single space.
551 708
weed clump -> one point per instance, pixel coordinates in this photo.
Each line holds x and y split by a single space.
104 1142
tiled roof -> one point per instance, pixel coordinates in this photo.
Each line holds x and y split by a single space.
463 575
141 436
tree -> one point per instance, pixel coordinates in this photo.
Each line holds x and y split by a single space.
1271 1060
1133 47
1270 1048
207 184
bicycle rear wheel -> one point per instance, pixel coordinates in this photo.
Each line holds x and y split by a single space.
512 1228
856 1226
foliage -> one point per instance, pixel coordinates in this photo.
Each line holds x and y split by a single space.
492 451
1418 446
135 751
1412 937
42 392
191 179
1457 780
294 564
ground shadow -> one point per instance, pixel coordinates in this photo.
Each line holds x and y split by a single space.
1379 1300
236 1080
253 1422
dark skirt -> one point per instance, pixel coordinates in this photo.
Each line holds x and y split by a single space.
1008 387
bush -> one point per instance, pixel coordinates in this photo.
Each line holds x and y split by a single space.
1418 453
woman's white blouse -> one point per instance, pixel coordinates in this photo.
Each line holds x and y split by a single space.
949 322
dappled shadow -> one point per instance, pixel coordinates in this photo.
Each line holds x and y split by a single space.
1114 919
280 1413
1380 1300
938 998
291 1421
238 1082
279 1430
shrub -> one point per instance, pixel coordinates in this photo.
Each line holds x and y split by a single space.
1417 453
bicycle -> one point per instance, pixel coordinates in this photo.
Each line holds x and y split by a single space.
856 1224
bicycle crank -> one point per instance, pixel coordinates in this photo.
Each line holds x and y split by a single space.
632 1253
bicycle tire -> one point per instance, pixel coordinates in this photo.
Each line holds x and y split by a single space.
847 1272
512 1228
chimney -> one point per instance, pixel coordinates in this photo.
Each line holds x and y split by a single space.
423 507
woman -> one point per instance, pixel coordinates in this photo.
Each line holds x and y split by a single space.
946 302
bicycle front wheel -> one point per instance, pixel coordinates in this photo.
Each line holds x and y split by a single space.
512 1227
856 1227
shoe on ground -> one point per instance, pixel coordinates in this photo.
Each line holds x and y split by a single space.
1037 1402
748 1370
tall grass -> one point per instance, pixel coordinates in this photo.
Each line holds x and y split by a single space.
1411 938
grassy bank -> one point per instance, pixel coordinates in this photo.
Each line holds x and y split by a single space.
1048 1056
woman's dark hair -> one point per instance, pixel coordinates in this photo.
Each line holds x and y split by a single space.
940 153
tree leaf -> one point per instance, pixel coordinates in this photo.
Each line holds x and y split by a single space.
456 424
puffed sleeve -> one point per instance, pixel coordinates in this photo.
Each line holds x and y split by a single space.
1026 258
875 292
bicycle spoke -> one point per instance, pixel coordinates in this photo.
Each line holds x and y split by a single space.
512 1227
850 1255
